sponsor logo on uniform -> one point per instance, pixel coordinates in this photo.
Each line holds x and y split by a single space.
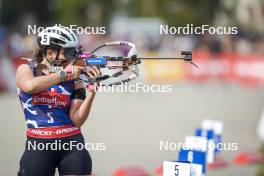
52 98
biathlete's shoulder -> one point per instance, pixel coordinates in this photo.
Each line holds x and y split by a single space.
24 60
24 64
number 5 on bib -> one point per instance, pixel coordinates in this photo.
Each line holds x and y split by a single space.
173 168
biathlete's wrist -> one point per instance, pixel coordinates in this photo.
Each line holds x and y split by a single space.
62 75
66 74
92 87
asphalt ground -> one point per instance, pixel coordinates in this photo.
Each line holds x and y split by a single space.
131 125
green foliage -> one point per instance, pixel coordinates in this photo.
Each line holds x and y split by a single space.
69 11
13 11
174 12
261 166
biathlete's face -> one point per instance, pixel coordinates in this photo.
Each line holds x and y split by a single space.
64 54
52 54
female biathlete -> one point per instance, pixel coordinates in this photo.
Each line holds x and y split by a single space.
55 106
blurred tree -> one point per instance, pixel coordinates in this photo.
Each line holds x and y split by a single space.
1 11
69 12
14 11
176 12
83 12
66 12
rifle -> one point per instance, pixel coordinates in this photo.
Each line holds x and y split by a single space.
126 66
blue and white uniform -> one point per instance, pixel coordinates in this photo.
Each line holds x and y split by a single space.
47 113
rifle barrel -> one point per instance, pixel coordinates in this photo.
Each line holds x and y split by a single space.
161 58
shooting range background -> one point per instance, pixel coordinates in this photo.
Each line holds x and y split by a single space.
132 124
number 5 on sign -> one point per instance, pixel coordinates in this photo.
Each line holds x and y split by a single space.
176 169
